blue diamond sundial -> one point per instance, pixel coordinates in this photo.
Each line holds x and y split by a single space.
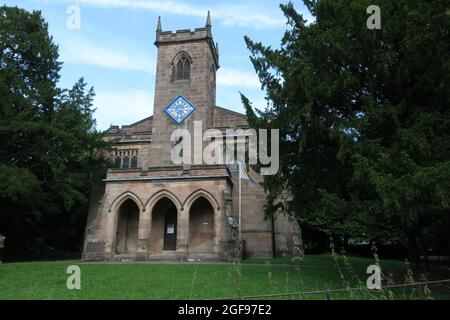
179 109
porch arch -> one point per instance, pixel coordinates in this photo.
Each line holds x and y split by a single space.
202 226
201 193
158 196
123 197
164 225
127 227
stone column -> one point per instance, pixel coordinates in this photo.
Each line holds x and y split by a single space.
143 235
229 232
109 221
218 228
182 233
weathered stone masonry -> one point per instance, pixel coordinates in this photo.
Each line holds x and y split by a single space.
147 207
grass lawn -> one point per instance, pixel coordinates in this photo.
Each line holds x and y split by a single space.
47 280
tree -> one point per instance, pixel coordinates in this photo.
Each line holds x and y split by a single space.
48 158
364 120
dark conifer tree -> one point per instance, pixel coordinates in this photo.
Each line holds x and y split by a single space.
364 118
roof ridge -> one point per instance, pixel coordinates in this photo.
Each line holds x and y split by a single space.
137 122
231 111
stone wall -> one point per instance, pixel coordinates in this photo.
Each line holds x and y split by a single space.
256 230
224 118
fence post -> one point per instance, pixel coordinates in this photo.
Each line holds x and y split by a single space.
302 296
328 294
420 292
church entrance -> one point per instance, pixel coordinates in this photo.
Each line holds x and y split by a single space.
201 227
170 230
163 234
127 227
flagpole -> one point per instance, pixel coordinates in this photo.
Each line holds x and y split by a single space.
240 210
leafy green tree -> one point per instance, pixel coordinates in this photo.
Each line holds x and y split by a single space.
48 157
364 120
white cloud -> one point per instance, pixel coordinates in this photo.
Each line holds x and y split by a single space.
237 78
121 108
242 15
87 53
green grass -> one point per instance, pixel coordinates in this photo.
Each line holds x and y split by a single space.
47 280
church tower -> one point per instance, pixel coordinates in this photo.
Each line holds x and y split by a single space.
185 86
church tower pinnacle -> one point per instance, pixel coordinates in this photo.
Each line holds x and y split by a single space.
208 21
158 27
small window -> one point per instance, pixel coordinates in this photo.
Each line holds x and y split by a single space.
117 162
126 163
125 159
134 162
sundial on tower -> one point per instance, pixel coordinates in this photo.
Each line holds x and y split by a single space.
179 109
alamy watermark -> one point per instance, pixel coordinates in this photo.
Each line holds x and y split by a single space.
74 19
374 20
74 279
374 280
235 146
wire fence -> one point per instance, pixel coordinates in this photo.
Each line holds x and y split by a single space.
419 287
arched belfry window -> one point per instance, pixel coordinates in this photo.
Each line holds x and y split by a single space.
182 67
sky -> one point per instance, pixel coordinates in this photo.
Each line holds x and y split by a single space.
113 47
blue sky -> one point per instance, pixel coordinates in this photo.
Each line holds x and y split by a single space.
114 48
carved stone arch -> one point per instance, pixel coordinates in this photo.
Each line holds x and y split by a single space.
201 193
125 196
158 196
179 55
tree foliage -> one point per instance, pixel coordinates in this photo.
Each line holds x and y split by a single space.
48 158
364 120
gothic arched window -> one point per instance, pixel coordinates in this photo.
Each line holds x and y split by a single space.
134 161
182 68
126 162
117 162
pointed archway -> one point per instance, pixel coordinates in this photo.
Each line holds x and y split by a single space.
201 226
163 235
127 227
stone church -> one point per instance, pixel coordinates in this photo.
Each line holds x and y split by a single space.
149 208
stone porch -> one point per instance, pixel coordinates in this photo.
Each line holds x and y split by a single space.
132 225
